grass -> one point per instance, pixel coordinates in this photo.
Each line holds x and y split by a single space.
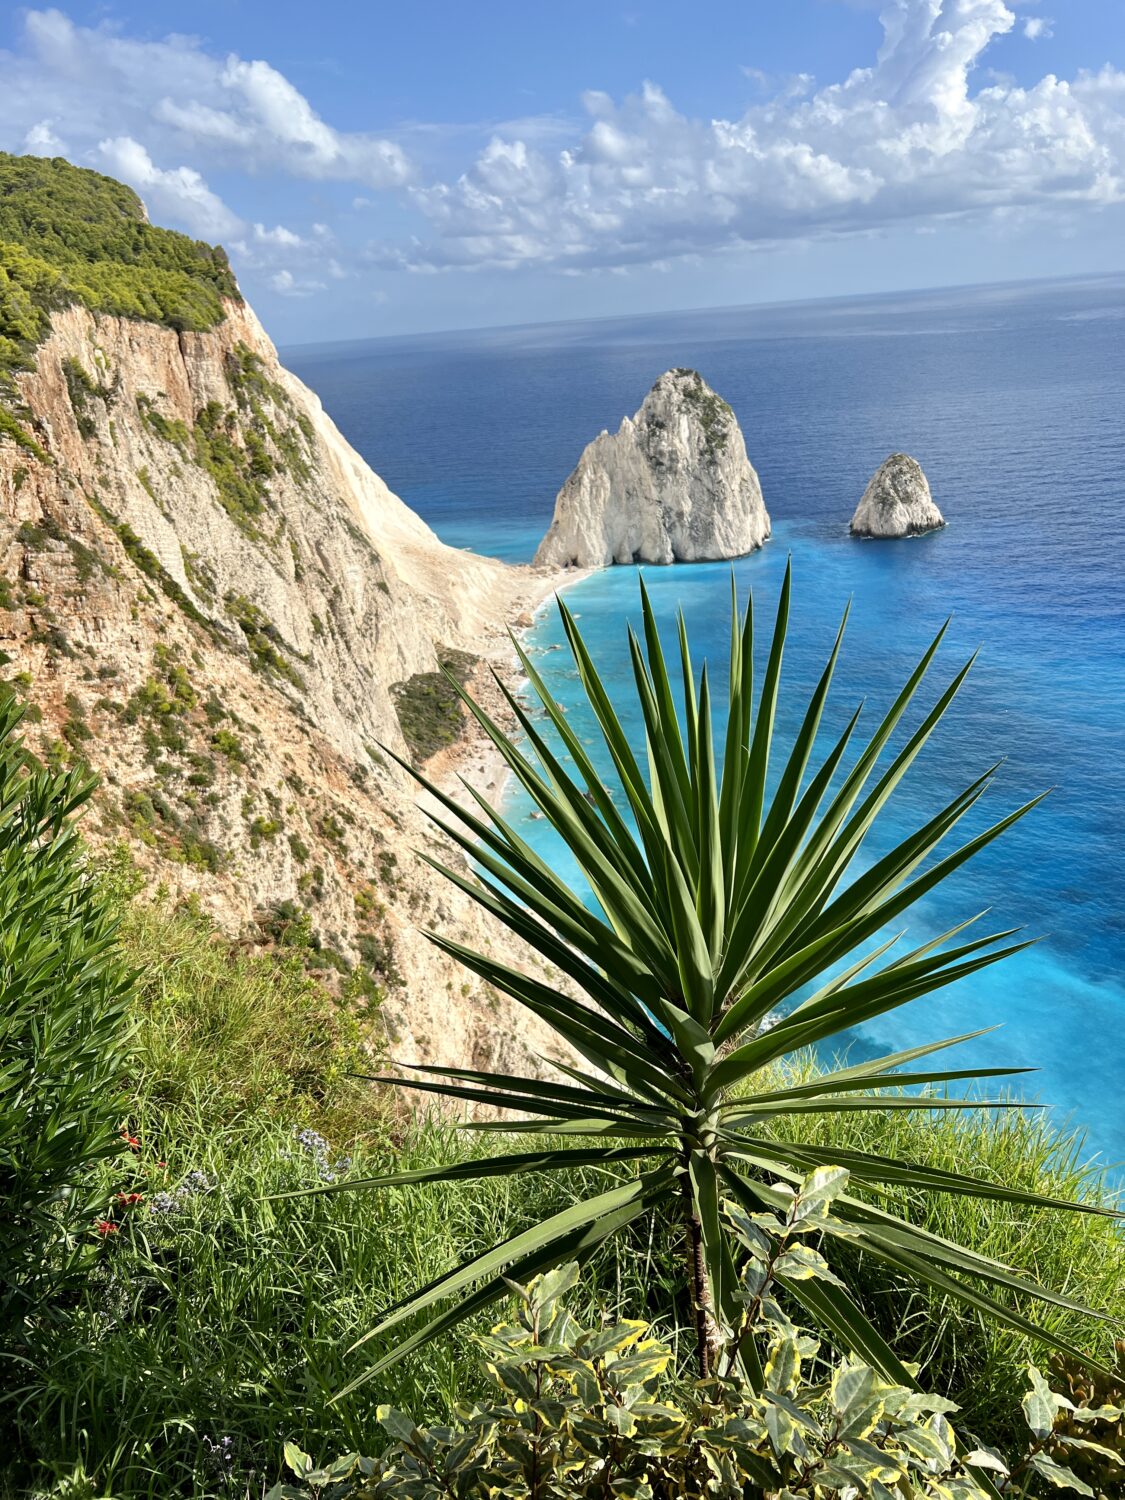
231 1316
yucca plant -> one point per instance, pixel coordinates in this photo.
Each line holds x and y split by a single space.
718 906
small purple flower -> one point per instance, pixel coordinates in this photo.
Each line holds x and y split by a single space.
218 1456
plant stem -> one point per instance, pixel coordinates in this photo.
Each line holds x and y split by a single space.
706 1329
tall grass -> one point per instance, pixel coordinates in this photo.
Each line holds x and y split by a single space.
231 1316
227 1034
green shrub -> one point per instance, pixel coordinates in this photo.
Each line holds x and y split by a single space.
577 1413
429 707
63 1031
1082 1255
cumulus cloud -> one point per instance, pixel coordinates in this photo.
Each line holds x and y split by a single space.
176 97
295 286
907 139
178 191
41 140
925 133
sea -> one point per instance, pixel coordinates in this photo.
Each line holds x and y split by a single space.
1013 399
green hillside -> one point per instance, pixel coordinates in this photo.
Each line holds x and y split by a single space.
70 235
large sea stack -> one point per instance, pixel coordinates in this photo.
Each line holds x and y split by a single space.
897 501
673 484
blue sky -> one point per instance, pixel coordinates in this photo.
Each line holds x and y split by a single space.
382 168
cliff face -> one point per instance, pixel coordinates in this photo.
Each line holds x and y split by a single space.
673 484
208 596
897 501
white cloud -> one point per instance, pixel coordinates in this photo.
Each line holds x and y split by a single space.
907 139
279 237
178 192
41 140
176 97
925 133
294 286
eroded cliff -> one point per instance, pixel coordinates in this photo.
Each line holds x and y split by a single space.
209 597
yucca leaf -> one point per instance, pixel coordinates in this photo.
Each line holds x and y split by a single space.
662 694
851 1006
832 1084
650 1119
592 1094
887 1171
511 1164
789 786
757 768
740 697
878 1067
575 749
711 900
570 1235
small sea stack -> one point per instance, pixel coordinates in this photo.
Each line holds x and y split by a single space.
673 484
897 501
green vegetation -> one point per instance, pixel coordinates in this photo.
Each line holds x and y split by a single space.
714 414
63 1033
590 1412
212 1312
230 443
37 535
82 388
12 427
268 652
69 235
150 565
429 706
728 901
241 1206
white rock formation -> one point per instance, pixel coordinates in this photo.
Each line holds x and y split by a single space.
673 484
897 501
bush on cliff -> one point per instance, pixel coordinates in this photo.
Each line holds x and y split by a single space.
64 1023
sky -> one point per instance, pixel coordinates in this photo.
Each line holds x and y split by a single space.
382 168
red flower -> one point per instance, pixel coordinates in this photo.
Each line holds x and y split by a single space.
131 1141
106 1226
128 1199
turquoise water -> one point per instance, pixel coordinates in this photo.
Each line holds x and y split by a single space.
1014 401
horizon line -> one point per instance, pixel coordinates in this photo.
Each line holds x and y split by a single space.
732 307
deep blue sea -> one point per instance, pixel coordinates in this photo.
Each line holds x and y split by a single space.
1013 399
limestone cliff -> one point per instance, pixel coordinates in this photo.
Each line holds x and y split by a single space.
897 501
208 596
673 484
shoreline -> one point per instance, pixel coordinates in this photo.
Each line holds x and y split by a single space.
474 757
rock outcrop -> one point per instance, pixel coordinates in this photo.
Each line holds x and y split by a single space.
673 484
897 501
209 597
